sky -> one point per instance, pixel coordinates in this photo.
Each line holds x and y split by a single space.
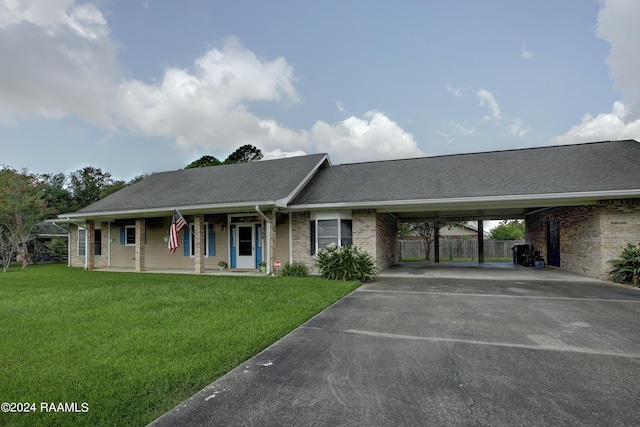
143 86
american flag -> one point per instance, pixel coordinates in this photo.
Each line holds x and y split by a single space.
177 222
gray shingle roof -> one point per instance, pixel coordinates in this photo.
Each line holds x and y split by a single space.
264 181
603 166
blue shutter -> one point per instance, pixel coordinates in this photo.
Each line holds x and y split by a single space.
123 235
187 239
212 240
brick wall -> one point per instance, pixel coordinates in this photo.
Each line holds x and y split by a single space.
372 232
590 236
301 239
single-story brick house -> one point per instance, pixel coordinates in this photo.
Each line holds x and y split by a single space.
581 205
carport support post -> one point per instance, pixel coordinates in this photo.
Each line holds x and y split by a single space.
480 241
436 241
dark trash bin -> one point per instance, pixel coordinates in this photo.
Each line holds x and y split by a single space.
520 254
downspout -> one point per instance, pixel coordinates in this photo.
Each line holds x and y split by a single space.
267 244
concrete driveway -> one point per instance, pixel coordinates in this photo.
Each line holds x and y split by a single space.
489 346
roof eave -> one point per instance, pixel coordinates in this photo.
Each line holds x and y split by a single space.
167 211
548 199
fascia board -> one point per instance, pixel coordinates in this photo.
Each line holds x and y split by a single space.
284 202
152 212
554 199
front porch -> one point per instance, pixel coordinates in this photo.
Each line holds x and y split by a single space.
207 272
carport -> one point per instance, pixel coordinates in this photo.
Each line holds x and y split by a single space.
581 203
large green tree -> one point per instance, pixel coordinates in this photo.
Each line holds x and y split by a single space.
89 184
22 207
245 154
508 230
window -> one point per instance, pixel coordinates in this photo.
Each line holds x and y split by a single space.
98 241
209 239
130 235
331 227
82 242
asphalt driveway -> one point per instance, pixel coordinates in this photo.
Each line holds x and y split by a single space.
484 348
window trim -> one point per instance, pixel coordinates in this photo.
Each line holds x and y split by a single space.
338 216
126 234
192 231
82 232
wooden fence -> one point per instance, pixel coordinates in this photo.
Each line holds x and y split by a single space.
455 249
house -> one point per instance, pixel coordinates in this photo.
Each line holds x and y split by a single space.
581 204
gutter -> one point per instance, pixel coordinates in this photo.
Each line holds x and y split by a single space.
266 249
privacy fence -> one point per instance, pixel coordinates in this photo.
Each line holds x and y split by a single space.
460 248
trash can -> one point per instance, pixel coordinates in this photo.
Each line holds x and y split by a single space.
520 253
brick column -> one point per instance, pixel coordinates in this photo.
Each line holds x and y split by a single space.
91 245
199 242
140 244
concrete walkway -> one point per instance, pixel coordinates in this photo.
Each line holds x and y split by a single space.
493 346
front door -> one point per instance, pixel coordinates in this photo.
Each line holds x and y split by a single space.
245 247
553 243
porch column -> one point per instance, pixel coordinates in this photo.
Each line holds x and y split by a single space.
91 245
272 246
140 244
480 241
436 241
199 241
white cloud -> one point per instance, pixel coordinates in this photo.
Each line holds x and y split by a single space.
525 53
56 58
617 24
454 90
461 130
375 137
207 108
603 127
340 107
518 129
487 97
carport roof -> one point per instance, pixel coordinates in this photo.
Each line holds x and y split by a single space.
602 169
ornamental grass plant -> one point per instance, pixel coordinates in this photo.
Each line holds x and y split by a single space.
627 267
346 263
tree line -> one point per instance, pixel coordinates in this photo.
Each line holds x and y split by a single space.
26 199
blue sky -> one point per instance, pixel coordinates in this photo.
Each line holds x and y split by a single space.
137 87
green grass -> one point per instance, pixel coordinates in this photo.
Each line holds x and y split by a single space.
132 346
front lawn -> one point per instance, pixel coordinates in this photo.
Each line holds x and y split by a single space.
123 348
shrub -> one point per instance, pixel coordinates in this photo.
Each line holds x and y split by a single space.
294 269
346 263
627 267
56 249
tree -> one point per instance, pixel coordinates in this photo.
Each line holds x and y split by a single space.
22 208
508 230
426 231
89 184
55 191
203 162
245 154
